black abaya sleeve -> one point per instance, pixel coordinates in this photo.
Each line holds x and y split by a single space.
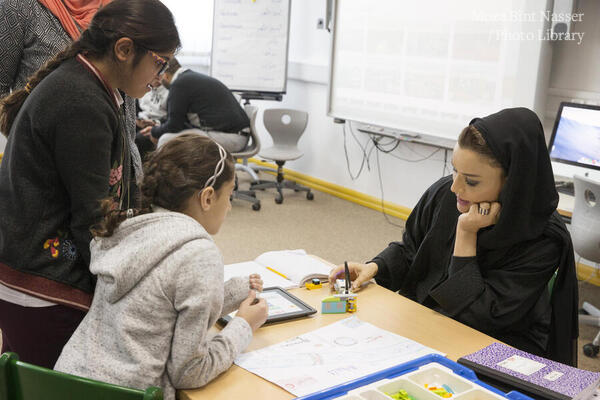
394 262
494 298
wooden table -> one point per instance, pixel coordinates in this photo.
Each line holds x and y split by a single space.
376 305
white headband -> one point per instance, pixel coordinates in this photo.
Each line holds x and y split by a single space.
218 168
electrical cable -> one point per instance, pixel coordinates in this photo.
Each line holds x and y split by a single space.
379 146
419 160
444 165
376 142
365 159
387 218
363 148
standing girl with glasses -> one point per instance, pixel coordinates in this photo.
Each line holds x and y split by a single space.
67 150
160 279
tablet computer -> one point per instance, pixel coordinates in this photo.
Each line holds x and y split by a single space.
282 306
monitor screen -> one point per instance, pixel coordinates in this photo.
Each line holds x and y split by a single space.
576 136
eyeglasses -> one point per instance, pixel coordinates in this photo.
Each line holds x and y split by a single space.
162 62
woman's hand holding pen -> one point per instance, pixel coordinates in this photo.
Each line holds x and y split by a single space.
359 274
256 282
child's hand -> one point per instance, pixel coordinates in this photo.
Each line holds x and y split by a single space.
256 282
254 310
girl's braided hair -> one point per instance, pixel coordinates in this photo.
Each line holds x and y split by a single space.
172 174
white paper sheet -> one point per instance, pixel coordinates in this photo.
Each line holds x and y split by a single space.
329 356
250 267
295 264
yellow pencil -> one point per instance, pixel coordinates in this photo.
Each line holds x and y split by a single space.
277 272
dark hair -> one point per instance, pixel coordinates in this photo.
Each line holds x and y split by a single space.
172 174
173 66
148 23
471 139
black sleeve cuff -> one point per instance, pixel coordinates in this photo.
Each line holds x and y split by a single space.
155 132
382 277
458 263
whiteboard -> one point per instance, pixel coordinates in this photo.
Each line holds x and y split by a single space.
250 44
430 67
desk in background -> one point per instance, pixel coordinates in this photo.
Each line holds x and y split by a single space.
566 201
376 305
565 205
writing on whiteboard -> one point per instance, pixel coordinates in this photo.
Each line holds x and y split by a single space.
250 39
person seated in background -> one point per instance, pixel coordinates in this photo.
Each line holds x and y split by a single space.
482 245
153 106
204 105
152 110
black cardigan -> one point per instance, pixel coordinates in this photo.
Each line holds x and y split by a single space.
64 154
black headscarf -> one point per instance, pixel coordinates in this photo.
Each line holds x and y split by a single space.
529 201
529 197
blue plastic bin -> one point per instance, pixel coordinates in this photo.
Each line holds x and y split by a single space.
406 368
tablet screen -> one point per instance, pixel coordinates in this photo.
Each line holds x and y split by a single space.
278 304
282 306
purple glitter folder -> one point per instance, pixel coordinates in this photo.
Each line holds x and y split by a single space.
536 375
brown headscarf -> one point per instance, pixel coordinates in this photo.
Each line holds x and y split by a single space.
74 15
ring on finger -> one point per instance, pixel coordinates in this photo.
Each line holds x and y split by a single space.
484 211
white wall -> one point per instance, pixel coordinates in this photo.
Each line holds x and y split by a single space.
323 141
575 75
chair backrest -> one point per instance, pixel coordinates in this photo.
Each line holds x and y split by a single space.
253 146
285 125
585 222
23 381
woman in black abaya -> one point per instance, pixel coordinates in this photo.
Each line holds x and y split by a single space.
482 245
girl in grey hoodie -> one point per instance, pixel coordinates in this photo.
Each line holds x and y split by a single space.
160 280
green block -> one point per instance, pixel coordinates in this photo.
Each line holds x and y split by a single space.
333 305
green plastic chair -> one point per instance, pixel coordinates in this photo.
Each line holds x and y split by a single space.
23 381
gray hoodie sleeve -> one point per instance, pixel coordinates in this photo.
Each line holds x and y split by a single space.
196 358
236 291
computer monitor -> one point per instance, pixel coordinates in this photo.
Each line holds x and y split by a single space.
575 143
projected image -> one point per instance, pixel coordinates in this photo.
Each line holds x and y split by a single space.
577 140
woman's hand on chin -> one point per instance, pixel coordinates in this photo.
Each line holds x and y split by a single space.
479 216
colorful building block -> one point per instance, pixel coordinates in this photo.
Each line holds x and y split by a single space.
314 284
333 305
351 304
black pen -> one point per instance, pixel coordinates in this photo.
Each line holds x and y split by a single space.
347 272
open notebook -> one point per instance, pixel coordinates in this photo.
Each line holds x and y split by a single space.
284 268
